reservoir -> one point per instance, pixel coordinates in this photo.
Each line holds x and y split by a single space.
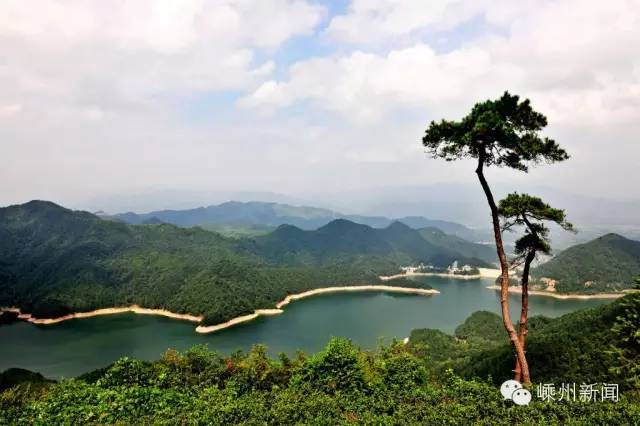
73 347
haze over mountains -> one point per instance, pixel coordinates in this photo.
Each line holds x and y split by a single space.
448 202
276 214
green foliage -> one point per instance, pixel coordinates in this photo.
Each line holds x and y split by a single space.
482 325
625 352
501 132
470 251
343 242
18 376
532 213
54 261
592 345
340 385
238 231
607 263
337 368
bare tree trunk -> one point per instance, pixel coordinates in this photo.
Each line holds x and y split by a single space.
504 266
523 331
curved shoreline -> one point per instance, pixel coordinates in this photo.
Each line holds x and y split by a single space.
562 296
136 309
484 273
284 302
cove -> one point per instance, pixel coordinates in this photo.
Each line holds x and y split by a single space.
77 346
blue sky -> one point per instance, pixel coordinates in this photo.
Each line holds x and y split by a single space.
300 96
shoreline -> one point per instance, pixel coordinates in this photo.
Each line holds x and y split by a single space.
136 309
562 296
309 293
484 273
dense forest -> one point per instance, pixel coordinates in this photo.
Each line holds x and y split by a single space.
435 379
599 344
343 241
54 261
605 264
484 252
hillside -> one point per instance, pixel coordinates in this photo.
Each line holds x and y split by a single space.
607 263
54 261
343 241
438 238
262 214
590 345
342 384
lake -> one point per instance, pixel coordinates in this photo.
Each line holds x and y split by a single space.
73 347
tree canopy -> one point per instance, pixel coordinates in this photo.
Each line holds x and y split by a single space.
502 132
530 211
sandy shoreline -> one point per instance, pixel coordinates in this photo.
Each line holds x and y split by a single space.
212 328
518 290
314 292
105 311
484 273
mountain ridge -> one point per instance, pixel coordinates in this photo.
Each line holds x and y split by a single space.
607 263
275 214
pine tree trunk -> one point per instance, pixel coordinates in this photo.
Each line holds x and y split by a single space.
504 266
523 330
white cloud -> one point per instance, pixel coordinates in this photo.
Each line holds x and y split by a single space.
97 95
131 52
365 85
577 60
373 21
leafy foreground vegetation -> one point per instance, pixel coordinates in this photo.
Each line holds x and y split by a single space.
592 345
429 381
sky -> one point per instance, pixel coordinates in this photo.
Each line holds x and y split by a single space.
124 97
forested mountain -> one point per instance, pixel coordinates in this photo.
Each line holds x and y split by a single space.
54 261
608 263
589 345
435 379
275 214
484 252
343 241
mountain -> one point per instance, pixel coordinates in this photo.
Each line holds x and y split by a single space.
607 263
589 343
54 261
436 237
344 241
275 214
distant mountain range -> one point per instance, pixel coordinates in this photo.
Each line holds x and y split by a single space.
608 263
54 261
276 214
344 241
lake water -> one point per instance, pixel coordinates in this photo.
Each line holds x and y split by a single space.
73 347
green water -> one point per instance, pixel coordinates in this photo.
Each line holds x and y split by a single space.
74 347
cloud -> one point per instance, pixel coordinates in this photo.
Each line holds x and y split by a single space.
374 21
571 57
363 86
133 52
115 96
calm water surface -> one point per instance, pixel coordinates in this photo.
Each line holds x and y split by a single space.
74 347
